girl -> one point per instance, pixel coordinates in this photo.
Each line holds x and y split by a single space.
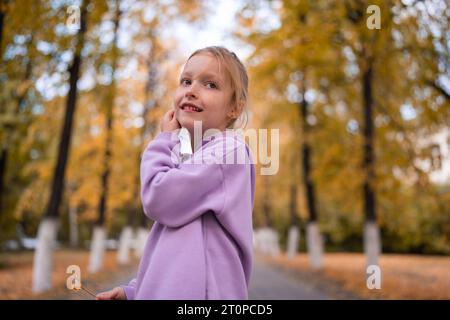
200 246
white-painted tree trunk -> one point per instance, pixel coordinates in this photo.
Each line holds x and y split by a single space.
73 226
314 243
372 243
97 249
274 243
264 240
292 243
267 241
125 244
43 256
140 241
257 240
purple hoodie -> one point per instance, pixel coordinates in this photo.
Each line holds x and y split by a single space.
200 245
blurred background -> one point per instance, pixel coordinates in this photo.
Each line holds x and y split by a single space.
358 90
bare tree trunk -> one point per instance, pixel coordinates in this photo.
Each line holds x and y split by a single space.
42 266
372 243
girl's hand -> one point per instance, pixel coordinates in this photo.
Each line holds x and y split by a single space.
169 122
115 294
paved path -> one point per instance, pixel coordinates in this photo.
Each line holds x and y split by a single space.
268 282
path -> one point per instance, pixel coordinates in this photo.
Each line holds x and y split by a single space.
267 282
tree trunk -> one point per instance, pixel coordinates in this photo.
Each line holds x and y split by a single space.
294 231
125 244
314 243
43 257
47 231
5 151
314 238
267 239
372 244
3 160
140 241
293 239
73 226
266 204
3 8
149 129
98 249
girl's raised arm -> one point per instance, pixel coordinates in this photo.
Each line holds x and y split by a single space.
175 195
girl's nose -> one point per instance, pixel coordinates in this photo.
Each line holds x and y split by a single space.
192 90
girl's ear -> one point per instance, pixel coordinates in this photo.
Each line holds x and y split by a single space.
236 110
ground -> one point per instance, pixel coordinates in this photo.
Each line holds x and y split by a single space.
16 275
342 277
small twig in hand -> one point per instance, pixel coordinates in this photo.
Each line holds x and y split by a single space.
86 290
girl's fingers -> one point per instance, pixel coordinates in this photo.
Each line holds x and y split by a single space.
168 116
115 293
106 295
101 296
169 122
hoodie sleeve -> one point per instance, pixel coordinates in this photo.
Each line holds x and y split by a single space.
175 194
130 289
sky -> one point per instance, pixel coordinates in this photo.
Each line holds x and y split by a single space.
216 31
218 27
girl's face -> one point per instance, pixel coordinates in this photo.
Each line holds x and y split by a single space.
201 85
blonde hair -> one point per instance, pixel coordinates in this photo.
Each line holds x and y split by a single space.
237 74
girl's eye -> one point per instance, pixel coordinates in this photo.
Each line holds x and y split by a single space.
183 81
212 84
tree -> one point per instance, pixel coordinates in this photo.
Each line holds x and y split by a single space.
47 230
372 110
3 13
99 234
306 52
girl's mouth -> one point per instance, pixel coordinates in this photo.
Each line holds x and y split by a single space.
190 108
